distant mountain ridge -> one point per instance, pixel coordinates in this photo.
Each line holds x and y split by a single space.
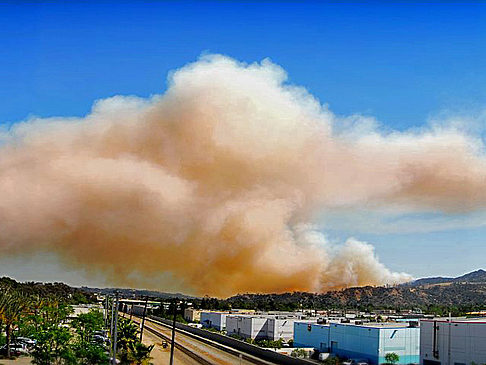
136 293
478 276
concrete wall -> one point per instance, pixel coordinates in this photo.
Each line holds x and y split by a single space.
405 342
255 327
464 340
280 328
246 327
232 327
192 315
215 320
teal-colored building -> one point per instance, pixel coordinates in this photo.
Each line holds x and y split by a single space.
369 342
311 335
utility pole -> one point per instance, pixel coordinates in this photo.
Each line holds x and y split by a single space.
111 319
449 343
172 342
105 314
116 329
143 318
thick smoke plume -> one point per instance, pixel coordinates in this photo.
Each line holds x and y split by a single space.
217 182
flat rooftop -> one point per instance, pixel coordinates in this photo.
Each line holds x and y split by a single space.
366 324
456 320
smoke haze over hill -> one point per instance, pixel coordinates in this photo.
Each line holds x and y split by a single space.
216 184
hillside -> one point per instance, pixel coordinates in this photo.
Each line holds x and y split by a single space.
370 297
464 292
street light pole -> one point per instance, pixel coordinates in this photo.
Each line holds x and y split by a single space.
116 328
172 342
111 320
105 312
143 318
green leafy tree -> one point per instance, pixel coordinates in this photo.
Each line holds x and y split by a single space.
53 335
53 346
91 354
87 323
392 358
87 351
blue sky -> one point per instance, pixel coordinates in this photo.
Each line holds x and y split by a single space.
400 63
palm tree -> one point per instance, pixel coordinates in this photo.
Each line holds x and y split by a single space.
139 354
3 303
11 306
127 334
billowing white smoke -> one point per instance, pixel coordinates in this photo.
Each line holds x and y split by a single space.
216 183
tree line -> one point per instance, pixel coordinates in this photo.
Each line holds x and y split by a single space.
45 325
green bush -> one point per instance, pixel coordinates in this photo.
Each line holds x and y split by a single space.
392 358
299 353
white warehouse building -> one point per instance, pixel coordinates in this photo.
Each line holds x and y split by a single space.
215 320
261 327
459 341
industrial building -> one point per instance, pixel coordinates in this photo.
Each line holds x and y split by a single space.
455 341
216 320
192 315
270 327
370 341
307 334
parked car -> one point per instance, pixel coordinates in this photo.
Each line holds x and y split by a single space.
16 349
28 341
101 341
355 362
103 333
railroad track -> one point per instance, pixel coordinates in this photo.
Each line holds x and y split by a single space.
202 350
178 346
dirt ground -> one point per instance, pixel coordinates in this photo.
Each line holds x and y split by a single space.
161 355
23 360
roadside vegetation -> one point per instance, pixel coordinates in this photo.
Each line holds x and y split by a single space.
39 322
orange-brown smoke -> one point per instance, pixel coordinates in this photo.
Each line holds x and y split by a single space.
216 184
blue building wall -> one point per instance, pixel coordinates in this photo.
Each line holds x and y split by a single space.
360 342
311 335
355 342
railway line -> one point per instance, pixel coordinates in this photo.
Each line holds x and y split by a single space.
202 350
